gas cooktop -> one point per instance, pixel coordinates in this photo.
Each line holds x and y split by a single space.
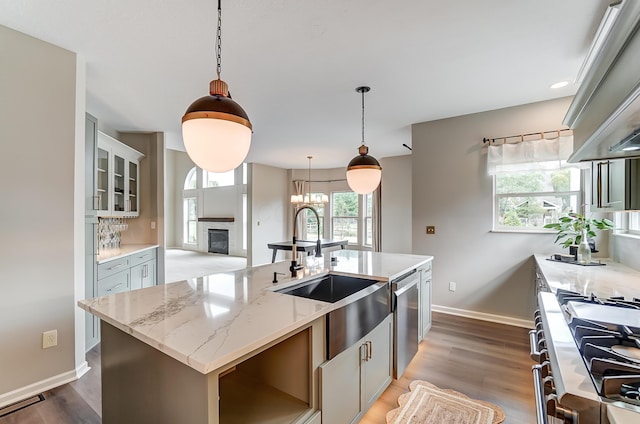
607 334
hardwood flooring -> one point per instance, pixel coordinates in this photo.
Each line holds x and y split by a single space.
483 360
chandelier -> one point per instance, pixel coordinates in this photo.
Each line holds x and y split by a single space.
310 198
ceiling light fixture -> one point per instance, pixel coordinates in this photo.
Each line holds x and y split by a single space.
363 172
310 198
215 129
560 84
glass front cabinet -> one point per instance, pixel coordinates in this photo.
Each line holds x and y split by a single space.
118 182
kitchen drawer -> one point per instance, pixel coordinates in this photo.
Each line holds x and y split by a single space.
141 257
116 283
109 268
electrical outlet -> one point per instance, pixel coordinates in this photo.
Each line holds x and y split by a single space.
452 286
431 229
49 339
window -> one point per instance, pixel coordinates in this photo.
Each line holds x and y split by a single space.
344 218
310 231
218 179
634 222
191 220
530 199
190 182
368 220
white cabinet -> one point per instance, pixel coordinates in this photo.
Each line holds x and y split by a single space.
118 182
143 269
424 308
353 380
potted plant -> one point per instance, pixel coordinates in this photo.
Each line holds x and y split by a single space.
570 228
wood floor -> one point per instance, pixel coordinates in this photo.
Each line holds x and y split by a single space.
480 359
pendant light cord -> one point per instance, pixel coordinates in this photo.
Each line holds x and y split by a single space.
219 41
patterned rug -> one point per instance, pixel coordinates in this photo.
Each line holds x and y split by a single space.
427 404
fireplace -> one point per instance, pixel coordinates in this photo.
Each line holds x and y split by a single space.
218 241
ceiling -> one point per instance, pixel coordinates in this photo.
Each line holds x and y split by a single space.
294 65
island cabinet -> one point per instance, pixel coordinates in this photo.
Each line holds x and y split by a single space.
353 380
424 310
277 383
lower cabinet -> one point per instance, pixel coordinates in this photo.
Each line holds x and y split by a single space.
352 381
424 310
143 269
130 272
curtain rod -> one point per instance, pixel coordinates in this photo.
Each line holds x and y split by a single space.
522 136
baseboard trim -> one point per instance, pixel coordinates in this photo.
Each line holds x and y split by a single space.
500 319
43 385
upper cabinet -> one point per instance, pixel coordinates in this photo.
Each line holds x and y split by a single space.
604 112
118 184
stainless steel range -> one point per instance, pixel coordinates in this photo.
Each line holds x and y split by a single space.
588 351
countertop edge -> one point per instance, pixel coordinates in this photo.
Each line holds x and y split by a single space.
135 248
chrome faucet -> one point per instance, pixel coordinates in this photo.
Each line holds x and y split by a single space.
294 263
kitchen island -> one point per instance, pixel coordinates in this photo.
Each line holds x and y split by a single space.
225 347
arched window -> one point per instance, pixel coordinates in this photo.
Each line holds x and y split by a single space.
218 179
190 208
190 183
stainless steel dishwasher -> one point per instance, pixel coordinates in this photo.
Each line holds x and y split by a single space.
404 293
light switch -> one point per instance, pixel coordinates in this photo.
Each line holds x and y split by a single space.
431 229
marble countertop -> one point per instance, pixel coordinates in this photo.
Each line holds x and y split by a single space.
209 321
612 279
124 250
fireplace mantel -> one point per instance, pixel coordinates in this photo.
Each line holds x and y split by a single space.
216 219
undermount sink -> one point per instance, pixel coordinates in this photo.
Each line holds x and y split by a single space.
330 288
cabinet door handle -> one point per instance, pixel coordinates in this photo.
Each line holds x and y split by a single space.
114 287
369 349
608 182
363 358
146 270
96 202
116 267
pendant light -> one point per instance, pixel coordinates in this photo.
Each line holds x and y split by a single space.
319 199
215 129
363 172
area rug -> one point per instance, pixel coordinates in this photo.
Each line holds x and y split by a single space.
427 404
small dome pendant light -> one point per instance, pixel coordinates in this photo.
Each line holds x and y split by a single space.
215 129
363 172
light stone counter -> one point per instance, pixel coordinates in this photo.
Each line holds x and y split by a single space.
612 279
210 321
124 250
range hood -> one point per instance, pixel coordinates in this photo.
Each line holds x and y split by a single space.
605 113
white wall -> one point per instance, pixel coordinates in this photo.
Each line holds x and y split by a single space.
41 218
396 204
452 191
268 205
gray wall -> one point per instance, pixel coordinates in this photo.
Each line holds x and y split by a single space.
41 218
267 205
451 190
396 204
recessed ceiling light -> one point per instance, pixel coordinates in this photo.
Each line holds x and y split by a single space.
560 84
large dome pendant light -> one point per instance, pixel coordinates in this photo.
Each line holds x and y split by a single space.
363 172
215 129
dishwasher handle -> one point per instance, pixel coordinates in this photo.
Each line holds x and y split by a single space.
406 288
